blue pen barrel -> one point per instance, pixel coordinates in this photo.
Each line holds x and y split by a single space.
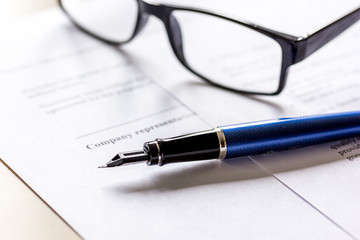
281 134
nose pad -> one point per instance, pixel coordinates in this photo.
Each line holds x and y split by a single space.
175 37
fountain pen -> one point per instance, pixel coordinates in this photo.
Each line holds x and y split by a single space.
244 139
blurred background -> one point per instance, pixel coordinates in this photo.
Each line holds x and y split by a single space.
12 9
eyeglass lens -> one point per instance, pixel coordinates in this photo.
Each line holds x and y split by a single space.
228 53
113 20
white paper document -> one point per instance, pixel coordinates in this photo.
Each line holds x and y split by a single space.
69 103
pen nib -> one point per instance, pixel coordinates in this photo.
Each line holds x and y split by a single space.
125 158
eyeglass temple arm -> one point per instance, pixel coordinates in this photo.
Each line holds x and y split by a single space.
315 41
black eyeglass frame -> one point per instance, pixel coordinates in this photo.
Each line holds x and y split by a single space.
294 49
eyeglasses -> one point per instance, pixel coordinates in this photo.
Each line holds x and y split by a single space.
235 55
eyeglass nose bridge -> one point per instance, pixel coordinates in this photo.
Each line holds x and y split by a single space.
164 13
159 11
